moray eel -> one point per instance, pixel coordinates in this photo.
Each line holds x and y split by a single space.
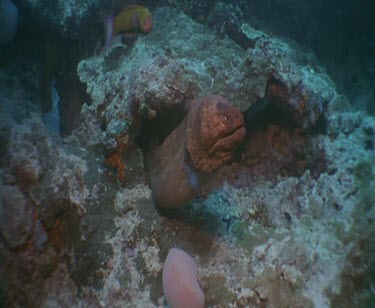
206 139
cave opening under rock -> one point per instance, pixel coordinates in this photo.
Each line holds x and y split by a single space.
275 145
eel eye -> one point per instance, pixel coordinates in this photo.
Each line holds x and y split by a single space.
224 119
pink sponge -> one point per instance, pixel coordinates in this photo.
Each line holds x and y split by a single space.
180 281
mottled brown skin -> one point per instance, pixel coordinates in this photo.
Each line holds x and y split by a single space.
214 131
206 139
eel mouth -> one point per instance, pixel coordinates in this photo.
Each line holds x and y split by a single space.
226 145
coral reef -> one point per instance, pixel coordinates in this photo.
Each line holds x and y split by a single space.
181 60
51 187
16 219
286 221
312 26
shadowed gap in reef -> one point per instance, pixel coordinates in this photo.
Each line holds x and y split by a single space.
154 131
276 145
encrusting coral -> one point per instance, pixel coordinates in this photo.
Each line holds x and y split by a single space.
207 138
115 160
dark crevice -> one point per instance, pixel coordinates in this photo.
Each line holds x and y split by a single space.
154 131
275 145
55 58
266 112
320 126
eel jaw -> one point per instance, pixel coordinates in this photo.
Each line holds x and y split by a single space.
225 146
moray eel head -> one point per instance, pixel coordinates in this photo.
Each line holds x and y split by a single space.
215 130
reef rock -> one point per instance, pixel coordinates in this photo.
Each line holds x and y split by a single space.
289 223
49 207
181 60
16 216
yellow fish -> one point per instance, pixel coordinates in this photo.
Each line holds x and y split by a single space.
131 20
